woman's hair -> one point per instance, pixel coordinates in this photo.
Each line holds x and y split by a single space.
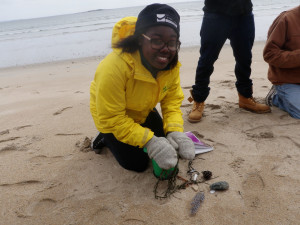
131 44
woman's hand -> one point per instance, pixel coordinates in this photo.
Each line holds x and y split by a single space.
183 144
162 152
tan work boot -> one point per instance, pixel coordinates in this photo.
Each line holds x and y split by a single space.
197 110
251 105
196 113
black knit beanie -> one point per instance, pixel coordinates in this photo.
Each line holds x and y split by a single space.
156 15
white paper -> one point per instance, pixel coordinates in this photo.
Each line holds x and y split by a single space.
200 146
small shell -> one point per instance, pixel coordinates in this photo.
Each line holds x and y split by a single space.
195 177
195 187
221 185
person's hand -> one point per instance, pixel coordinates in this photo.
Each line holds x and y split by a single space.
183 144
162 152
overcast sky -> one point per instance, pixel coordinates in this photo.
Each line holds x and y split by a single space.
25 9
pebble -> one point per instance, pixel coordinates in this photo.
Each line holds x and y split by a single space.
219 186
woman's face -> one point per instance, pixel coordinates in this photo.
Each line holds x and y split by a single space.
158 59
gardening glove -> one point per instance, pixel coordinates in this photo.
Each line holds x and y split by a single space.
183 144
162 152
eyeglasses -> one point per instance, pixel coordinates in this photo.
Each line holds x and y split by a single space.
158 44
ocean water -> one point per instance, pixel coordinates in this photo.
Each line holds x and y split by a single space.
86 34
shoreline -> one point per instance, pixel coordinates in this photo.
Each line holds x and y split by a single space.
97 57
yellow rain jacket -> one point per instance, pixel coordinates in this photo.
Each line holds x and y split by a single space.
124 92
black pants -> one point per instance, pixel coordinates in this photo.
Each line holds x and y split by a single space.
131 157
215 30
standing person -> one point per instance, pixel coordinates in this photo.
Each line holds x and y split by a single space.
233 20
282 53
141 71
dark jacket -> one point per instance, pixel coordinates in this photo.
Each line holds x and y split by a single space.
282 49
228 7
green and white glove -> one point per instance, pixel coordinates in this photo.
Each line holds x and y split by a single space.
162 152
183 144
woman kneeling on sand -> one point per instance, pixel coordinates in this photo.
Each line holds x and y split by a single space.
140 72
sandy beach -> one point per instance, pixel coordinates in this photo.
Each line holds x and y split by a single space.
48 176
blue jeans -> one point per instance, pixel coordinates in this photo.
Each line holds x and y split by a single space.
215 30
287 98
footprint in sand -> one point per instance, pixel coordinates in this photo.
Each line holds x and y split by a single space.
40 207
36 208
4 132
266 134
9 139
259 132
227 83
21 145
236 165
44 206
22 127
186 105
21 183
213 106
61 110
8 148
187 87
252 187
287 167
42 159
231 75
70 134
136 214
15 128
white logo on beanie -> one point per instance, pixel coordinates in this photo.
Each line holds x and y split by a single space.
163 18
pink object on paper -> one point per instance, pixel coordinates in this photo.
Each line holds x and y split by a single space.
200 147
194 138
